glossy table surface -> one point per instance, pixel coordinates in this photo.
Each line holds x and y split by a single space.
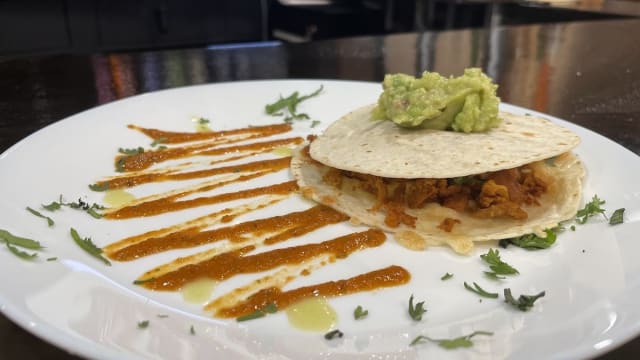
584 72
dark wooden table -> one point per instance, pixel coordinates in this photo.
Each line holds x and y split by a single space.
587 73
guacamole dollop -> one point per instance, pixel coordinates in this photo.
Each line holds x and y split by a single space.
467 103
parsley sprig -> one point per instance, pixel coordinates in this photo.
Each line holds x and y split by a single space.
455 343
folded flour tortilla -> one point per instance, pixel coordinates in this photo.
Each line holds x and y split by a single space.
357 143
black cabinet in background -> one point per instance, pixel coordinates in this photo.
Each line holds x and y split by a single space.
33 25
77 26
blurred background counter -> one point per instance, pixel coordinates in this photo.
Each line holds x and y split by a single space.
82 26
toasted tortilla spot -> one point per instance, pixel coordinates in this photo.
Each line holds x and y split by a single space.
411 240
328 200
307 192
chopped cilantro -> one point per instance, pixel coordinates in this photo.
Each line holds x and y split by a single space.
449 344
143 324
333 334
288 106
590 209
416 311
446 276
268 309
532 241
524 302
87 245
497 266
617 217
360 313
480 291
50 221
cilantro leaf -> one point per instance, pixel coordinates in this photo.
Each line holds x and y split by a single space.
532 241
19 253
333 334
143 324
416 311
99 187
496 264
480 291
590 209
617 217
201 120
290 104
79 205
360 313
493 276
158 141
132 151
54 205
50 221
524 302
14 240
120 163
446 276
455 343
87 245
268 309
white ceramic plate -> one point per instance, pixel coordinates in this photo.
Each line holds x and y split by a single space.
591 276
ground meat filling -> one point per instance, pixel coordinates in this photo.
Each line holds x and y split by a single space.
488 195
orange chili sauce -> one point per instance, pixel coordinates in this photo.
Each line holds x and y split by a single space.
292 225
170 137
391 276
135 180
229 264
168 204
279 228
146 159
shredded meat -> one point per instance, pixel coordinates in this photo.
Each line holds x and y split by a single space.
447 224
395 215
494 201
488 195
333 177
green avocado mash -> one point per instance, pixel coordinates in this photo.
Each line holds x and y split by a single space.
467 103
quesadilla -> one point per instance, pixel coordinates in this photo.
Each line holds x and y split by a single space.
435 187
